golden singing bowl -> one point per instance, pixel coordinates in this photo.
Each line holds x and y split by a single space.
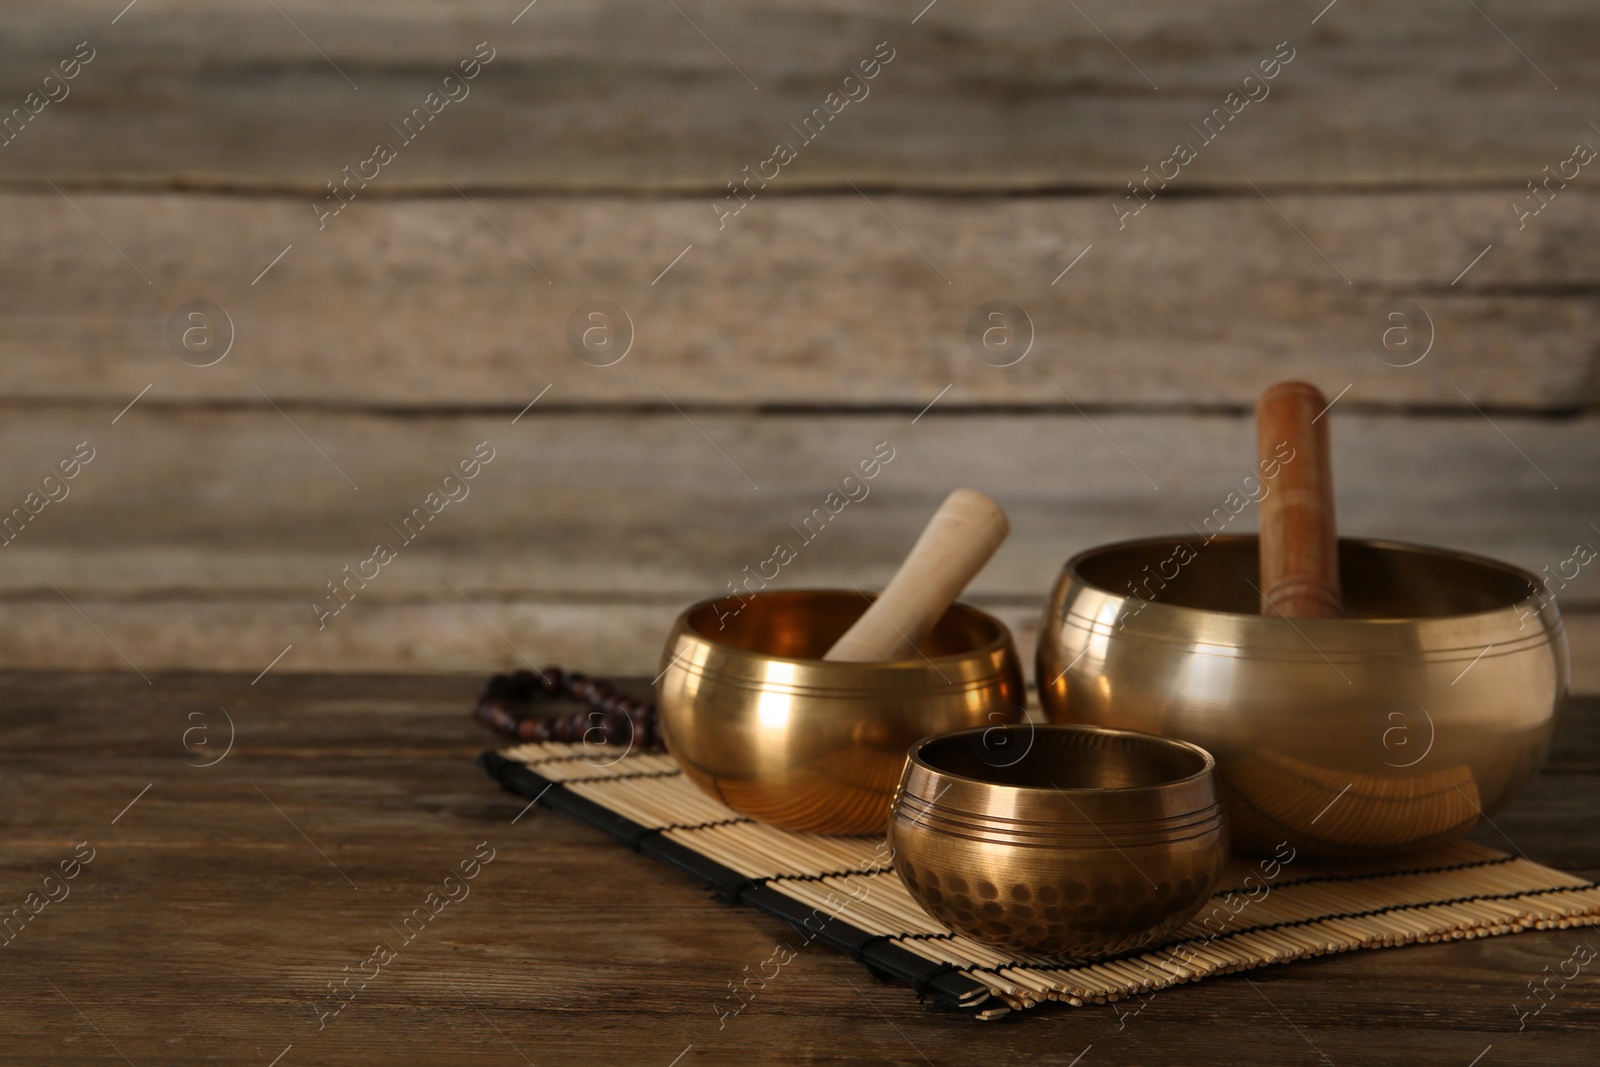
759 721
1401 725
1063 840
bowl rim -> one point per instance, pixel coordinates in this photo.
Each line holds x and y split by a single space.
1208 765
684 627
1072 570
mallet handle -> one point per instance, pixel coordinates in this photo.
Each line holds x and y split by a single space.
1299 540
952 548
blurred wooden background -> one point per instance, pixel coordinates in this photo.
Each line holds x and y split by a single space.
369 356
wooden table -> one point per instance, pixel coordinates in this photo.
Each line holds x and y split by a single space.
220 902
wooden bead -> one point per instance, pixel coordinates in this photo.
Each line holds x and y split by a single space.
619 731
611 718
495 717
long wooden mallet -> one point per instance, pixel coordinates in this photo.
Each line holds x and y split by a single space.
952 548
1299 538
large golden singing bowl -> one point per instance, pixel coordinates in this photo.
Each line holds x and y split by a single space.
1424 709
1063 840
758 720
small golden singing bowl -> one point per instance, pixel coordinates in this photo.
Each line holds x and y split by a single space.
1423 710
1062 840
759 721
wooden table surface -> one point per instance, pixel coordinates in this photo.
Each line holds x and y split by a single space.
221 901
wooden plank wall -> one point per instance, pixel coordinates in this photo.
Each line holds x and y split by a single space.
588 159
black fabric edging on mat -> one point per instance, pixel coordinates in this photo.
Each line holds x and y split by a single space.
943 983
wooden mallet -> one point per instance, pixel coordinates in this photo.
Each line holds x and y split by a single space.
952 548
1299 540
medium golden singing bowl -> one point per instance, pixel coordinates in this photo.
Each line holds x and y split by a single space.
1063 840
758 720
1422 711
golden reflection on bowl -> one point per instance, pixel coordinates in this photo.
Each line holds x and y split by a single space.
1064 840
759 721
1403 724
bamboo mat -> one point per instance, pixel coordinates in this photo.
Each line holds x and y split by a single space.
843 892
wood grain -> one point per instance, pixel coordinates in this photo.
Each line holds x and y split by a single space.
494 633
601 502
992 153
623 96
206 536
206 925
815 301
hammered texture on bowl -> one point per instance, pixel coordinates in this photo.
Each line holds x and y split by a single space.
1087 915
